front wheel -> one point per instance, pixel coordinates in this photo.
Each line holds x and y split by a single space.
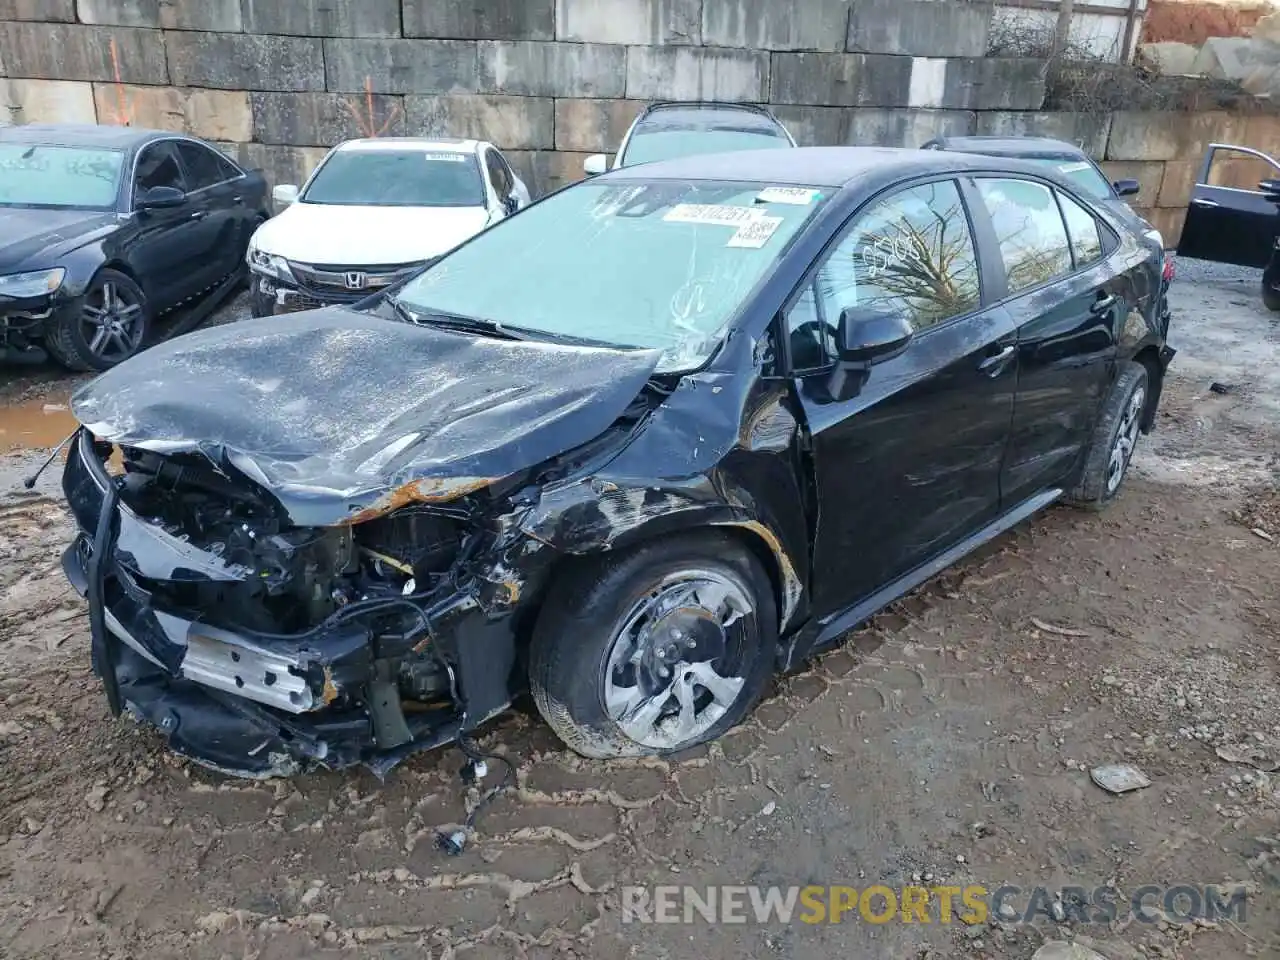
1114 439
108 327
655 650
260 304
1270 295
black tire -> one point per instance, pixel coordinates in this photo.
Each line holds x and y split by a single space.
260 305
71 340
1270 297
1103 476
569 660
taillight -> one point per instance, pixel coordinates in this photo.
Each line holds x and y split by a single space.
1169 269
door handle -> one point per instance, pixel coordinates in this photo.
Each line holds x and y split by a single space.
1103 305
994 364
1205 204
199 215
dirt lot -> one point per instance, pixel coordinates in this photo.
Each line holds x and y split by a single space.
949 743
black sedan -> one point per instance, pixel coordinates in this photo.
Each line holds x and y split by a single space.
719 411
104 229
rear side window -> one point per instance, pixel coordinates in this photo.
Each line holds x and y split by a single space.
1083 231
204 167
1033 239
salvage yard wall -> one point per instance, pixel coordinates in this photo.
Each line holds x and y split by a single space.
277 82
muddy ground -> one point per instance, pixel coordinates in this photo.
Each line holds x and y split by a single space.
948 743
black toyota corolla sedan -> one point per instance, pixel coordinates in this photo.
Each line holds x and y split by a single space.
714 413
103 229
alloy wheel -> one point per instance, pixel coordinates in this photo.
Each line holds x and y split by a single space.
1126 439
111 322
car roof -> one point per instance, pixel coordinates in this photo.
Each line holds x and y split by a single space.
82 135
440 144
707 115
832 167
1024 147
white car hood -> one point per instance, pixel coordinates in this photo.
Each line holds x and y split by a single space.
353 236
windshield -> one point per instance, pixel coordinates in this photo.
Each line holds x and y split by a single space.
655 264
650 146
1080 172
398 178
36 175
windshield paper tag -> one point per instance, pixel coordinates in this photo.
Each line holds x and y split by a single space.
447 157
795 196
1074 167
723 216
756 234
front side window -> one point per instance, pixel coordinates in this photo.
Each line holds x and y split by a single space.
36 175
658 264
1083 231
1033 239
651 144
384 177
158 167
912 251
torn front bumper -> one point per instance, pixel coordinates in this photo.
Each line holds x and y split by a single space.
249 704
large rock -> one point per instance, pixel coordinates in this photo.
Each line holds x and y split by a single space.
544 172
46 101
552 69
209 114
1177 183
905 128
280 164
813 126
1171 59
172 14
977 84
770 25
636 22
324 119
64 51
401 66
480 19
594 126
49 11
323 18
1088 131
920 28
231 61
1171 136
703 73
841 79
511 123
1242 59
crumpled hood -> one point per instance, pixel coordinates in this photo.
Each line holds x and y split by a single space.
343 415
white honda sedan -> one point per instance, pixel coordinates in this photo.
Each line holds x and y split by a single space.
373 212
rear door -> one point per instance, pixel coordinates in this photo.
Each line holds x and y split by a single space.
170 246
217 185
912 464
1229 220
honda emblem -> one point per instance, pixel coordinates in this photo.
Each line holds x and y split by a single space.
357 280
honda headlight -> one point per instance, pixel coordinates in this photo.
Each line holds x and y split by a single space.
268 264
24 286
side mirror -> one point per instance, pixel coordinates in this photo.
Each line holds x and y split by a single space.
595 164
865 337
161 198
285 194
1270 186
510 204
1127 188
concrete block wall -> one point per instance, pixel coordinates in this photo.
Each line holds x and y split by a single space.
277 82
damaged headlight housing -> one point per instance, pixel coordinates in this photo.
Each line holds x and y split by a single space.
268 264
23 286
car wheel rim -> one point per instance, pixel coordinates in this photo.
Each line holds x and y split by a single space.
677 663
1126 439
111 322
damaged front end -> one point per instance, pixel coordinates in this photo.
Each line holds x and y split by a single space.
256 646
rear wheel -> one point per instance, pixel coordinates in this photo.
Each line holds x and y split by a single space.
110 325
656 650
1114 439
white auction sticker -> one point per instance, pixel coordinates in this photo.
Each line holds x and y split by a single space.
1074 167
718 214
795 196
755 234
447 157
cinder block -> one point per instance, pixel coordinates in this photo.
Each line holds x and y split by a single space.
230 61
65 51
1171 136
841 79
552 69
905 128
480 19
1149 174
594 126
221 15
1088 131
1178 181
401 66
209 114
701 73
545 172
323 18
990 83
813 126
281 164
325 119
919 28
47 11
637 22
769 25
511 123
46 101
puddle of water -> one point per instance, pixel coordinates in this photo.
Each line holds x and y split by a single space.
36 425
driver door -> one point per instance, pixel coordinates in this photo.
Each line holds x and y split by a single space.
911 465
1229 220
